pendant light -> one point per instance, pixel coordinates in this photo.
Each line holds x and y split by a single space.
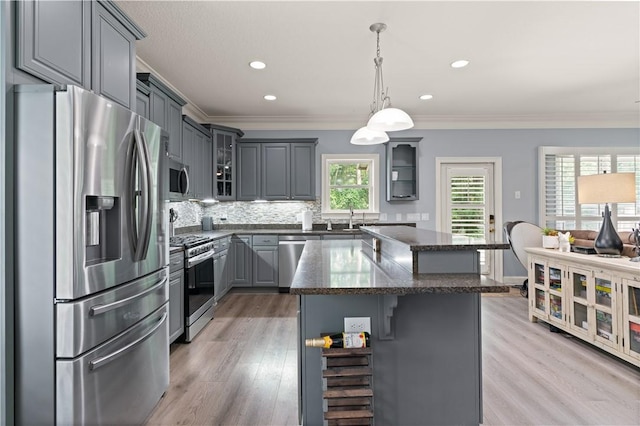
384 118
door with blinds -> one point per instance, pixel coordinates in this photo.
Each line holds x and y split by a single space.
468 205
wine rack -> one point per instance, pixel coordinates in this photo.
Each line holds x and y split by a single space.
347 377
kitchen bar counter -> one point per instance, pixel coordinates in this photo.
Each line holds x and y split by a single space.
426 240
343 267
425 327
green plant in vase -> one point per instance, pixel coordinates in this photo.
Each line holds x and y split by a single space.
550 238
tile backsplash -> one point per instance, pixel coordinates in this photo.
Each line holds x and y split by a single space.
244 212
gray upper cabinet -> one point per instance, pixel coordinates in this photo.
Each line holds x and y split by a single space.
224 161
402 169
248 184
282 169
275 171
165 109
303 171
142 100
54 41
196 153
85 43
114 56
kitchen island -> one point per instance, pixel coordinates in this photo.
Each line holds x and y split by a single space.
425 327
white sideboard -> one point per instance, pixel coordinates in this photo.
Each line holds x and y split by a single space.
594 298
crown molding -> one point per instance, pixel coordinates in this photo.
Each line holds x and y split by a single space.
429 122
568 121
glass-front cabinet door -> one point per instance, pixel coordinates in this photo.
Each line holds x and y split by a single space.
593 305
631 316
547 296
579 305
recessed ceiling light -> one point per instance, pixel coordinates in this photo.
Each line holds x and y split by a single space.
426 97
461 63
257 65
270 97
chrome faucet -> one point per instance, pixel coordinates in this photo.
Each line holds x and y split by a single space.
350 216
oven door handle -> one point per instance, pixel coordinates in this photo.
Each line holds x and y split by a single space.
199 258
101 309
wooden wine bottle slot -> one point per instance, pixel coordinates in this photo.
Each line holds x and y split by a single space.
347 378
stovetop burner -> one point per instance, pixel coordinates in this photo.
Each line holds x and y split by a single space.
187 240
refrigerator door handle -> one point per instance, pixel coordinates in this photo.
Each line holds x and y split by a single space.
130 195
147 211
101 309
104 360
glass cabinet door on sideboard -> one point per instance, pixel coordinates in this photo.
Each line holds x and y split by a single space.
631 316
593 305
547 291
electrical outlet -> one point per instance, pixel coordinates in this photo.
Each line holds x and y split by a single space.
357 324
425 216
383 217
413 216
398 217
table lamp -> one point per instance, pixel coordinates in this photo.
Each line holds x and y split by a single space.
607 188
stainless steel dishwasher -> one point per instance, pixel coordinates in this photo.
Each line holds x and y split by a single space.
289 251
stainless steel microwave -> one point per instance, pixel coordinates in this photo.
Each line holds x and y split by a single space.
178 181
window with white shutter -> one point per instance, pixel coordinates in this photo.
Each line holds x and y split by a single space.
559 169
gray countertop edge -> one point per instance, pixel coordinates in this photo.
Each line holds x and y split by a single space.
397 290
412 238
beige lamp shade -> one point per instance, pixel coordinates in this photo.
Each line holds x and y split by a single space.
607 188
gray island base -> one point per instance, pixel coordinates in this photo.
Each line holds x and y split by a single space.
425 333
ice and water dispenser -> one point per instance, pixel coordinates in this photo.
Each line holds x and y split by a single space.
102 229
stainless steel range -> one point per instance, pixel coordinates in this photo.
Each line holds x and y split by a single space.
199 288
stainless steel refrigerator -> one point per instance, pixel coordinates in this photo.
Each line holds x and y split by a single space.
91 259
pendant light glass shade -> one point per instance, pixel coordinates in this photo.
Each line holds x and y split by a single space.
390 120
384 118
366 136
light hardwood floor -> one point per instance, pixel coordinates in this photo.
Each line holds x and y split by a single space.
241 370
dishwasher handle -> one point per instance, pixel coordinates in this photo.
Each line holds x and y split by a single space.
293 242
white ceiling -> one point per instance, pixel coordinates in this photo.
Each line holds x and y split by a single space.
533 64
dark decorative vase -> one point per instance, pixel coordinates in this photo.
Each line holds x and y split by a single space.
608 243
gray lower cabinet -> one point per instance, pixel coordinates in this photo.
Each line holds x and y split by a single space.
90 44
276 169
176 296
221 268
265 260
241 261
165 109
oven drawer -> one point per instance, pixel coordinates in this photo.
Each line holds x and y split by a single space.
120 381
265 240
86 323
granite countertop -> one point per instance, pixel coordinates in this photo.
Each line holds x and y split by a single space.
341 267
426 240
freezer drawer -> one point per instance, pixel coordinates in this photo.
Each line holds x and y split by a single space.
86 323
120 381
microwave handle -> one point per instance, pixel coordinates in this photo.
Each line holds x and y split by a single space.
186 176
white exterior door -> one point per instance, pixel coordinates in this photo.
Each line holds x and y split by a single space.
467 205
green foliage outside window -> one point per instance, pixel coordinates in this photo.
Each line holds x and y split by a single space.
349 186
